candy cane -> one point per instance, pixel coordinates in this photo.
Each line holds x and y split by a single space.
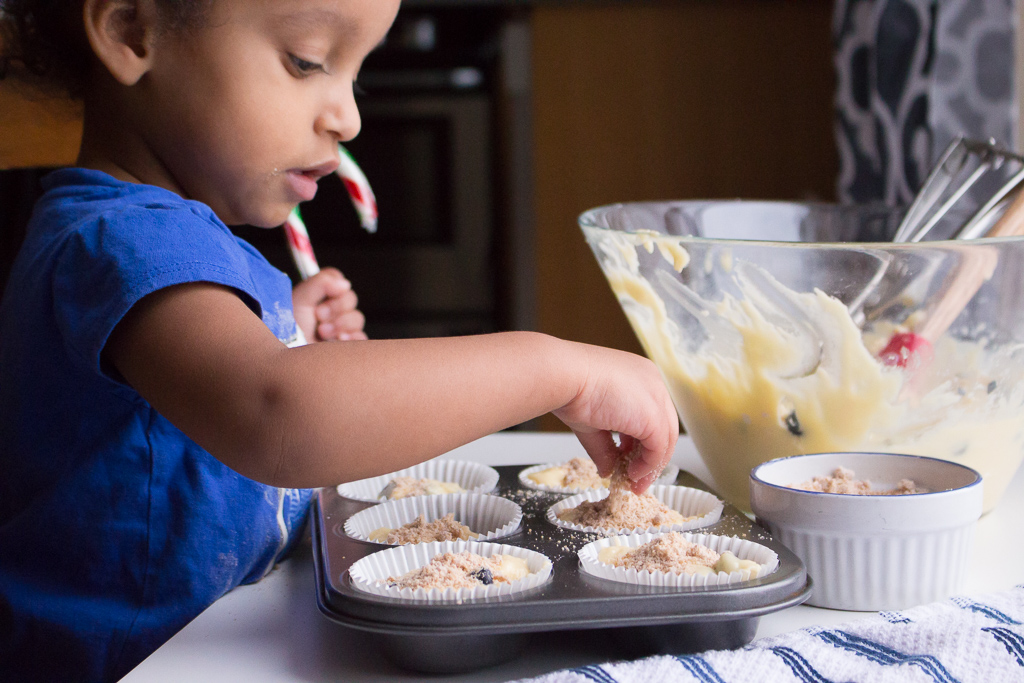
358 190
362 199
301 247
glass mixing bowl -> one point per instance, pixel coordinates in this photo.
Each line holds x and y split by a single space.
782 329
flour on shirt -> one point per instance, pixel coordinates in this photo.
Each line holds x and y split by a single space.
281 322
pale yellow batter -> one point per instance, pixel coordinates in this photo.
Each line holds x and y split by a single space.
578 473
406 487
752 391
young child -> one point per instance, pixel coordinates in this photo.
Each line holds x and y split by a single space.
157 433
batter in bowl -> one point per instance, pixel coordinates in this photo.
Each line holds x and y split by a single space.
765 384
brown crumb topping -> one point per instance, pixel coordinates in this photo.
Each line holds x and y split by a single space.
453 570
421 531
582 473
669 553
623 509
842 481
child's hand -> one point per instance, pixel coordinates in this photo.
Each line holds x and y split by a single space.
624 393
325 307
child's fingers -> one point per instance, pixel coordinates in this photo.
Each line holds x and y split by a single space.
353 321
601 448
332 309
348 324
643 469
326 284
640 485
641 464
336 283
655 455
332 277
345 327
625 393
645 466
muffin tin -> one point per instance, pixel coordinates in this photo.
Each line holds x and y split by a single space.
451 637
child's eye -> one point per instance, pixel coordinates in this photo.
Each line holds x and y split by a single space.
305 67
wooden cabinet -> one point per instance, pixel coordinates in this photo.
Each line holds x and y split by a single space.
679 100
689 100
36 130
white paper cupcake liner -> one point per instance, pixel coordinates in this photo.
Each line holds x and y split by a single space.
472 476
742 549
668 476
683 499
490 516
370 574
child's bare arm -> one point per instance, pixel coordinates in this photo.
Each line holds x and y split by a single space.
332 412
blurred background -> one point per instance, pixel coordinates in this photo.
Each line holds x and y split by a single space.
490 125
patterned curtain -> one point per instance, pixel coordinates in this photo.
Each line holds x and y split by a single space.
911 75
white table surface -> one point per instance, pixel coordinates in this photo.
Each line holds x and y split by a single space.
272 631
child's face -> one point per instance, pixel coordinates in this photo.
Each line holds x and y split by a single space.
245 113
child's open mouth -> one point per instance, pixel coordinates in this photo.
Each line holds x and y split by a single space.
303 181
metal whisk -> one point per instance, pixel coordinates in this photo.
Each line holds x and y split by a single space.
962 165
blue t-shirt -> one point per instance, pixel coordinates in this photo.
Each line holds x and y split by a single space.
115 528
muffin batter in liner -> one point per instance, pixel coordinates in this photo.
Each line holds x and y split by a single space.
472 476
683 499
742 549
371 573
668 475
490 516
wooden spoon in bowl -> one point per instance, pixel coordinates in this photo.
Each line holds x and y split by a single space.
914 349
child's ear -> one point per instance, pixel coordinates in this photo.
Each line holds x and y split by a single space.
121 33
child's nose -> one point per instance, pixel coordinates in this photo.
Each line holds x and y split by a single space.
339 115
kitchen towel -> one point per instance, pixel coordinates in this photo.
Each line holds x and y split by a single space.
960 640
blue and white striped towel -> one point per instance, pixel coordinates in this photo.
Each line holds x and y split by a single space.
960 640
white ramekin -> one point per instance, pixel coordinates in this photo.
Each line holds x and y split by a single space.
873 553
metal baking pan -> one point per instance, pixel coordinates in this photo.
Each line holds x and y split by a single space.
449 638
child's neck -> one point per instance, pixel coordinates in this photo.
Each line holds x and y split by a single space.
113 144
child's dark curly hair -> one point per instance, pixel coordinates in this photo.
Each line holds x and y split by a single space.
44 40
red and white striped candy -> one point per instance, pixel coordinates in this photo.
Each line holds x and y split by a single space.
301 247
358 190
362 199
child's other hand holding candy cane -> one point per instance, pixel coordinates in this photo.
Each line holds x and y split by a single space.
325 308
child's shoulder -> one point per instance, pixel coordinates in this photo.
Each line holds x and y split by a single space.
73 194
89 228
85 208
